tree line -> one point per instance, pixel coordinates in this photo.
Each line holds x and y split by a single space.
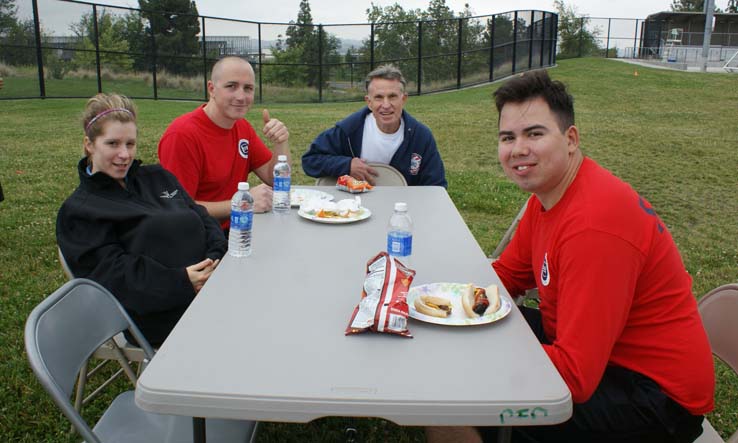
127 41
163 34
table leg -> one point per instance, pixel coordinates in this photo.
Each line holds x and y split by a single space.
504 434
198 430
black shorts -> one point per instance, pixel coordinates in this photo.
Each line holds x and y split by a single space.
626 407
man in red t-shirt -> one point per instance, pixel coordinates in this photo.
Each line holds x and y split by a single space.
617 315
213 148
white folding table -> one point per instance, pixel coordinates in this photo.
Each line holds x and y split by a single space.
264 339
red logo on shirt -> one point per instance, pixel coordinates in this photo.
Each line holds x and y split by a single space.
415 160
545 275
243 148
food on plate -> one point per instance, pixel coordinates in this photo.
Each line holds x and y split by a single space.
352 185
327 209
478 301
299 195
433 306
383 304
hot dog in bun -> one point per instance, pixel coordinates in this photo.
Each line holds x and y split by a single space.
433 306
478 301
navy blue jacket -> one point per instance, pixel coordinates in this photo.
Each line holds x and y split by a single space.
417 158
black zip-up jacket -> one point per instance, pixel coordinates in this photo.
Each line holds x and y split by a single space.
137 241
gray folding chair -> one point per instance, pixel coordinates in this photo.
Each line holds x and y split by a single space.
117 349
326 181
64 265
531 294
719 310
509 233
388 176
64 330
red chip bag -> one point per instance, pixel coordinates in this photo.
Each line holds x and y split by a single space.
383 305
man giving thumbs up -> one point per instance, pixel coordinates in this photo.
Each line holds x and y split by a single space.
213 148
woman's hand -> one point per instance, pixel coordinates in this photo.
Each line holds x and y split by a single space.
199 273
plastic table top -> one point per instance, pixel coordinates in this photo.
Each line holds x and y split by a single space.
264 339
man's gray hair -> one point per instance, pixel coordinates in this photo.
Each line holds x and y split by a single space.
387 72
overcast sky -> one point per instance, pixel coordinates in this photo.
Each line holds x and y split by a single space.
57 15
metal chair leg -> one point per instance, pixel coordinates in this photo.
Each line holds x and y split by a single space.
351 435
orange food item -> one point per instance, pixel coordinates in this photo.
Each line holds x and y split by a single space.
352 185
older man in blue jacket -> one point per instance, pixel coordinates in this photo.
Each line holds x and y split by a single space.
381 132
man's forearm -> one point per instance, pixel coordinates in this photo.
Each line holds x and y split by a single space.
277 150
218 210
281 149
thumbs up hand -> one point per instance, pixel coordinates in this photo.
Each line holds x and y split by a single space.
274 130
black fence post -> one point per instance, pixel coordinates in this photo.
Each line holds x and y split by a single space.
153 63
204 60
581 35
420 56
607 45
543 36
554 41
515 42
635 40
458 53
97 48
531 37
261 66
371 48
320 63
39 53
491 28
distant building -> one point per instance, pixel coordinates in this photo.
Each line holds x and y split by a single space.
63 46
238 45
678 36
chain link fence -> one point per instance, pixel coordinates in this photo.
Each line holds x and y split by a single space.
157 55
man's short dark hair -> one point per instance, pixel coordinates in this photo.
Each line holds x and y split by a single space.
386 72
531 85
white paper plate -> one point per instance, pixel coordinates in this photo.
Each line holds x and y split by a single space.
364 213
299 195
453 291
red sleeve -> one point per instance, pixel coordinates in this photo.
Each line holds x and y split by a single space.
596 275
179 154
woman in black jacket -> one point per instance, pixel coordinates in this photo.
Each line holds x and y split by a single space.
132 228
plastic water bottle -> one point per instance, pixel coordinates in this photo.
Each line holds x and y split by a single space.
400 234
282 182
242 217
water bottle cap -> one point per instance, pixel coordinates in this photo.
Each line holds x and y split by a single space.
282 157
401 206
243 186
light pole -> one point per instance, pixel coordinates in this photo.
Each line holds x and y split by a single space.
709 10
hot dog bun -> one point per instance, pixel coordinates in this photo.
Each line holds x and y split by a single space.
493 294
467 301
478 301
433 306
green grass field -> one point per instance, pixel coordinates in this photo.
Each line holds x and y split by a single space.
672 135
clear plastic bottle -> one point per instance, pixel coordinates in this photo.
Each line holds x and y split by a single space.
282 182
242 217
400 234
